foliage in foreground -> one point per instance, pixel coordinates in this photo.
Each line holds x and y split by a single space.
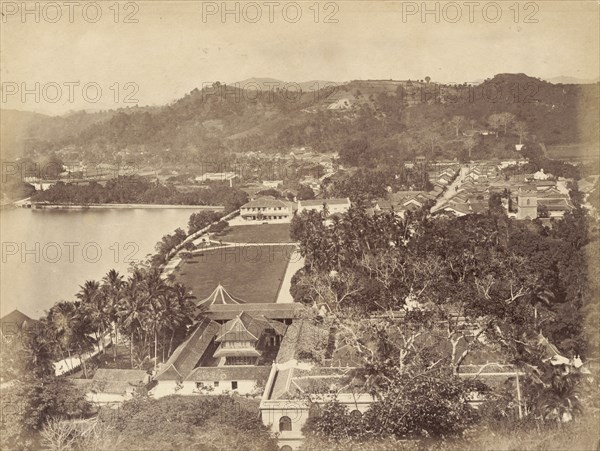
29 404
582 435
205 422
418 405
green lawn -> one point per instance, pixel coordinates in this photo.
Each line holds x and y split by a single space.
251 273
260 233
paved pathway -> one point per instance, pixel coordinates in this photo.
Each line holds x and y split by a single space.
451 189
296 263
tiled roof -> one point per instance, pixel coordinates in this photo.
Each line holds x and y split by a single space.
15 317
106 374
248 327
116 381
229 373
479 207
555 204
290 310
552 193
320 202
302 334
281 383
113 387
385 204
187 355
293 382
240 352
544 183
458 207
268 202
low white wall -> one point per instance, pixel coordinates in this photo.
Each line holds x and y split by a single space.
189 388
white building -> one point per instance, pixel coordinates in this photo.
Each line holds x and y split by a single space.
540 175
272 183
267 209
284 407
110 387
216 177
334 206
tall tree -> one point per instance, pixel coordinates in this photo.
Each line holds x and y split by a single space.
112 284
456 122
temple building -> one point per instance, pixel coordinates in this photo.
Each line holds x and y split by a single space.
234 354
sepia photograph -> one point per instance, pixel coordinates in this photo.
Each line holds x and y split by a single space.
300 225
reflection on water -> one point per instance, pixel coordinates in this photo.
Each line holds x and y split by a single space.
47 254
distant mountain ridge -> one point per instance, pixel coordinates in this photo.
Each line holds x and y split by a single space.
264 84
204 125
565 80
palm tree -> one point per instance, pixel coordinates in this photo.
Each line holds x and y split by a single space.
37 352
131 309
180 310
80 329
113 284
155 289
94 307
59 321
559 400
539 296
153 322
69 327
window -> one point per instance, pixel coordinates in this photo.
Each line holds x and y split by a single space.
285 424
237 360
286 448
216 383
234 385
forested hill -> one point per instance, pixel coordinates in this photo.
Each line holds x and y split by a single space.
393 117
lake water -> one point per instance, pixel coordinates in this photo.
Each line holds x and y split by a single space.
48 254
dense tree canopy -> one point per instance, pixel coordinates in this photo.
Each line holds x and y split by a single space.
135 189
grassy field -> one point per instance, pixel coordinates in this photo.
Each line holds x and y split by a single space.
251 273
262 233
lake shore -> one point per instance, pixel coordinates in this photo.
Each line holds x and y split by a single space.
40 206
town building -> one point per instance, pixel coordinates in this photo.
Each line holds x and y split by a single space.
15 322
540 175
286 402
111 387
333 206
527 207
267 210
216 177
207 177
272 183
402 201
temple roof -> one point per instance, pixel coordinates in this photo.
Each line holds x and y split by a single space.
188 353
245 327
220 312
219 296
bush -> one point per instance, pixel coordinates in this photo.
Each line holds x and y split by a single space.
199 422
218 227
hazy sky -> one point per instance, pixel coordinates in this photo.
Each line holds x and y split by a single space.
172 48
